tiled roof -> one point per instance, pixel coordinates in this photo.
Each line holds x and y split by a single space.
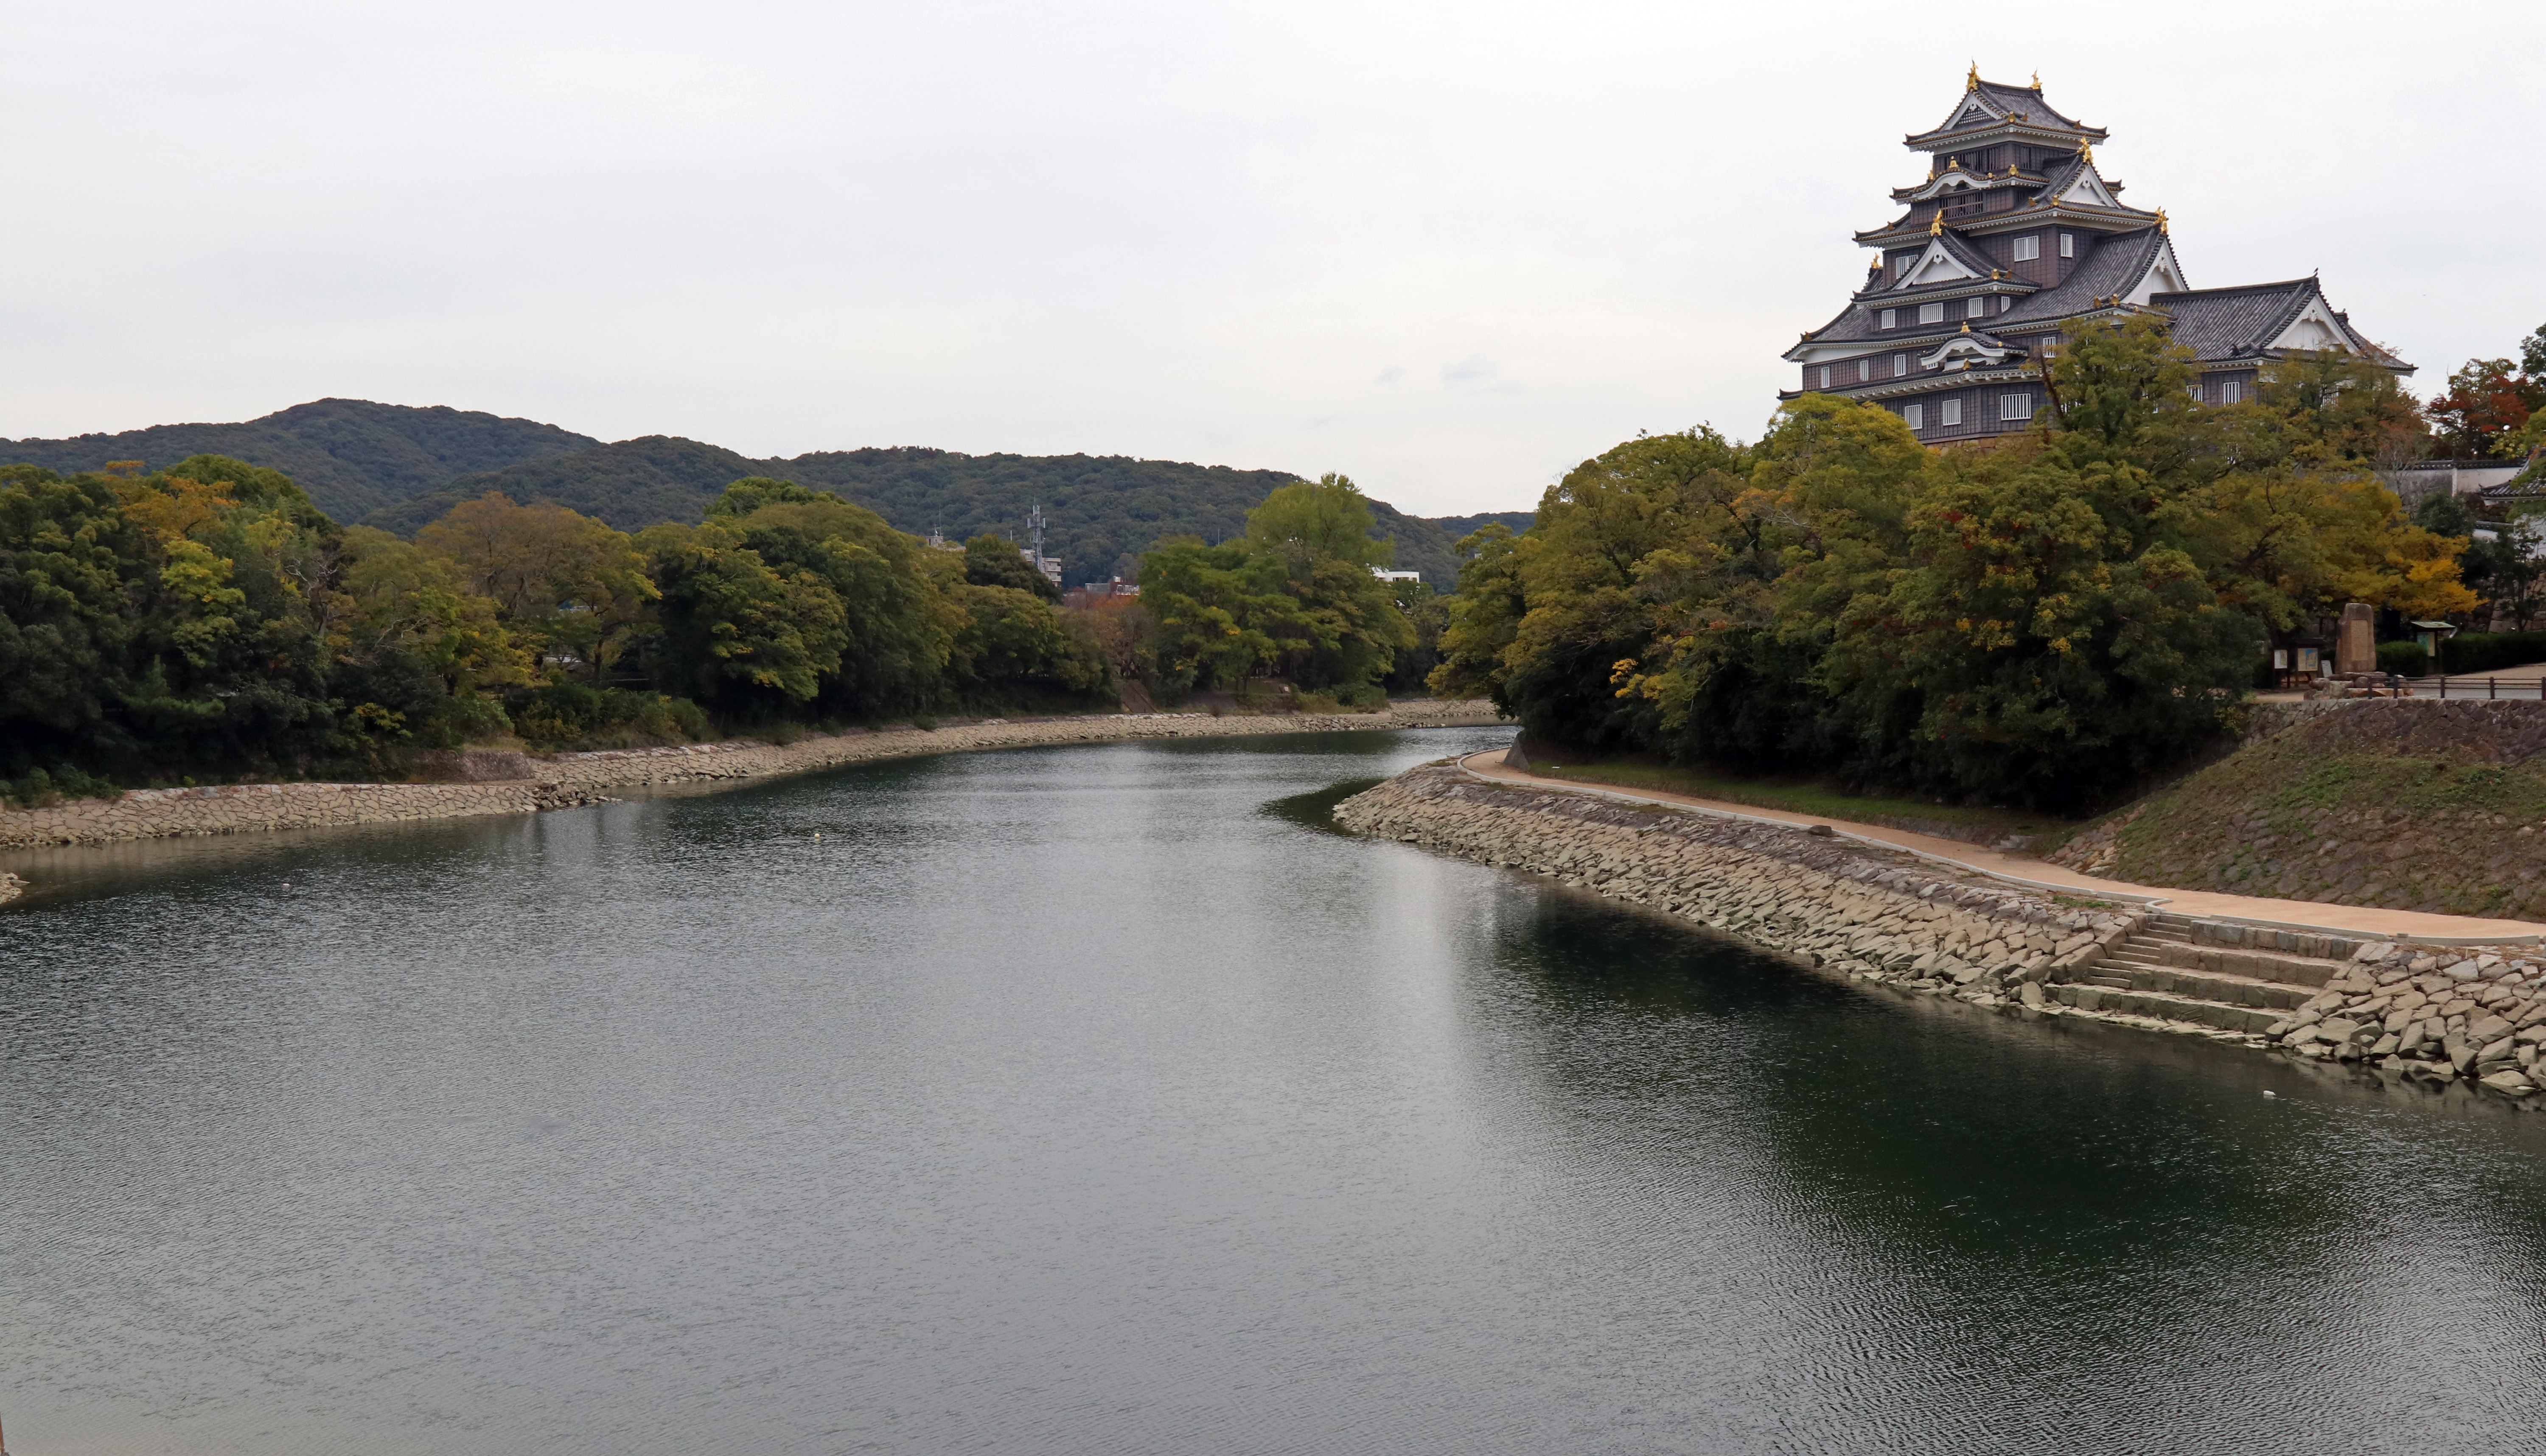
2242 322
2114 263
1961 249
2027 100
2009 99
1968 254
2230 323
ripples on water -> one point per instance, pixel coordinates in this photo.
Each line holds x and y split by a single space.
1100 1101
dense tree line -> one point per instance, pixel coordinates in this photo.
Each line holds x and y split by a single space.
1104 512
2042 620
208 620
1294 597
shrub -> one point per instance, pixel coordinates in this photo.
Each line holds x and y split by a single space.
37 789
2405 659
2471 652
565 716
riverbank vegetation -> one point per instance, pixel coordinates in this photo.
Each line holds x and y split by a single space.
206 621
1818 797
2042 621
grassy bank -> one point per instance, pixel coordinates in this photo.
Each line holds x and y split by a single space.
2408 833
1820 798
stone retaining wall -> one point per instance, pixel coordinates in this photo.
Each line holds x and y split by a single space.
2415 1011
1876 915
581 778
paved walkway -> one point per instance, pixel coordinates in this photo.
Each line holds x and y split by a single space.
2022 868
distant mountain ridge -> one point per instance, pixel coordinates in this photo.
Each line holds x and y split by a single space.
1456 527
354 457
399 468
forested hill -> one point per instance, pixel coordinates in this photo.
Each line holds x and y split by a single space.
352 456
1100 512
1455 526
632 484
400 467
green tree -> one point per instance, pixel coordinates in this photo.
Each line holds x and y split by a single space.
2038 620
1015 643
746 639
573 587
991 560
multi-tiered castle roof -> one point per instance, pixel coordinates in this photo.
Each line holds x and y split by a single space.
2016 235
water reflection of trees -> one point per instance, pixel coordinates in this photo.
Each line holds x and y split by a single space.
2004 1209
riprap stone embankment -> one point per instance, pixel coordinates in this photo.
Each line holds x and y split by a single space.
2440 1014
581 778
1875 913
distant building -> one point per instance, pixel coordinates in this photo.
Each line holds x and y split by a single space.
1094 592
2013 235
1384 575
2424 480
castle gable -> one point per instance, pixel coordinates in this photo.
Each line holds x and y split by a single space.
2013 237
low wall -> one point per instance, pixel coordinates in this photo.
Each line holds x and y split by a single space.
1872 914
581 778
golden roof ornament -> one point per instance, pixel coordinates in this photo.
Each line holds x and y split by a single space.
1937 224
2160 219
2037 80
1967 326
2087 153
1972 82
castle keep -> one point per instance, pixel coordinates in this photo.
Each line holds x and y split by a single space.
2013 235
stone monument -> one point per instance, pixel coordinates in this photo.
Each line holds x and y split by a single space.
2355 643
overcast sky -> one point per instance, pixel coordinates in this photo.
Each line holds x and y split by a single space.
1447 249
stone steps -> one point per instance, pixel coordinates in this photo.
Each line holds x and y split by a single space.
2161 971
2164 1006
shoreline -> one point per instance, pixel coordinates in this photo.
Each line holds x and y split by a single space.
571 779
2443 1016
2324 918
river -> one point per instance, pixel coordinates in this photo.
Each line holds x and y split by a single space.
1105 1100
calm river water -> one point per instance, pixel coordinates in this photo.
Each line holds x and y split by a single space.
1103 1100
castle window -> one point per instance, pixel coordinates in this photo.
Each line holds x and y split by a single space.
1975 307
2028 248
2017 406
1890 318
1901 268
1914 417
2068 245
2232 391
2193 390
2005 302
1899 364
1949 411
1864 369
1931 313
1824 375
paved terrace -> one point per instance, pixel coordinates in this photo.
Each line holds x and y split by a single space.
2290 915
